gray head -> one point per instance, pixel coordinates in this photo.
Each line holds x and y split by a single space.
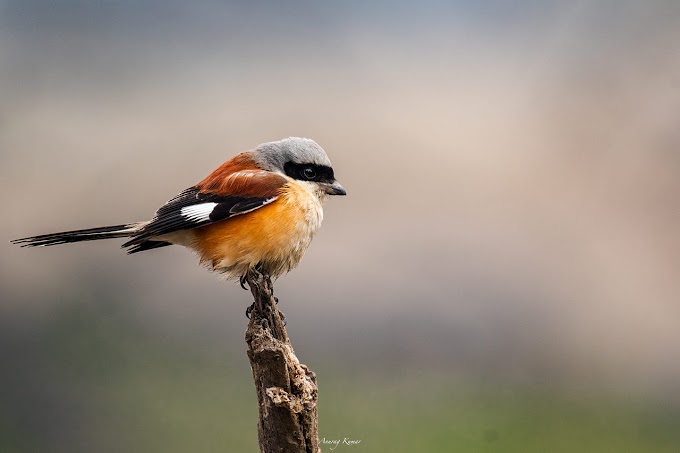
302 159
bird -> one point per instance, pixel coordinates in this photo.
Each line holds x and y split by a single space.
257 211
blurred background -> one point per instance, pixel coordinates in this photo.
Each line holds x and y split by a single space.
503 276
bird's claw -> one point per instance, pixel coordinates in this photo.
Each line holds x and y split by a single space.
243 280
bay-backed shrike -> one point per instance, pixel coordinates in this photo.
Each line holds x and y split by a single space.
258 210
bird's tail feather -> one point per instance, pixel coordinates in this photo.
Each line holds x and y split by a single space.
88 234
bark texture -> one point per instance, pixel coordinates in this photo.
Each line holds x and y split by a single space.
286 389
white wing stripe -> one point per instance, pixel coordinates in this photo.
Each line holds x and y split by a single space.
198 212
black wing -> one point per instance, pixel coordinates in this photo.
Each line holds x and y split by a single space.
191 209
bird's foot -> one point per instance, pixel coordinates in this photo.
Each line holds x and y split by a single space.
243 280
249 310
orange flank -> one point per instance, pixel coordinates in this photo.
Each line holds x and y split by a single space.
275 235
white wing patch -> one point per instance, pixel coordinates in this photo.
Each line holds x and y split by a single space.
198 212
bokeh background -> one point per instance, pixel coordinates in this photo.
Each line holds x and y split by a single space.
503 276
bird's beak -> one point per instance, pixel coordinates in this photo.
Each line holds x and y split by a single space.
334 188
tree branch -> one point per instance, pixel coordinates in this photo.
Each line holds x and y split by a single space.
286 389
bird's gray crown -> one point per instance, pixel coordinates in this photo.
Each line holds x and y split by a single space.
273 156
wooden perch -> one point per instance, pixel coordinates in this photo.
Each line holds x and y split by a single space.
286 389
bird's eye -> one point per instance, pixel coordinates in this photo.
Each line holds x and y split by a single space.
309 173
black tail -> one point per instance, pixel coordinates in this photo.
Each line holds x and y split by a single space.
89 234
